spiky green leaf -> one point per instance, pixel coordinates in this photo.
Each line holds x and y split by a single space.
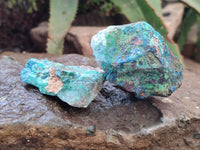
62 13
195 4
189 20
198 34
156 4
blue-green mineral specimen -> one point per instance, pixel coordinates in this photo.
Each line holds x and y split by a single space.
75 85
136 57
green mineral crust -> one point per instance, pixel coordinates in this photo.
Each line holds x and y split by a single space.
136 57
75 85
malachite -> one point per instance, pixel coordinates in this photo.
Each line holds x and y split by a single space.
136 57
75 85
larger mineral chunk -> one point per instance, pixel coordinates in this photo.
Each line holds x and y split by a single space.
75 85
136 57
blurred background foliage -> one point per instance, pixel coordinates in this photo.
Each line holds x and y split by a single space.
103 7
29 5
16 14
191 16
17 17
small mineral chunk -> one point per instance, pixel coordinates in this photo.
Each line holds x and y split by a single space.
136 57
75 85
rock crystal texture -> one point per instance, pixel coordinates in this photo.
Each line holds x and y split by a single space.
136 57
75 85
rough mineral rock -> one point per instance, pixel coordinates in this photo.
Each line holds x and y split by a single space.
136 57
75 85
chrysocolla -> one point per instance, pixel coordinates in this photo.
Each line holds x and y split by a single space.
75 85
136 57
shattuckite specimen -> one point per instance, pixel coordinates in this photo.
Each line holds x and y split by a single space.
136 57
75 85
133 56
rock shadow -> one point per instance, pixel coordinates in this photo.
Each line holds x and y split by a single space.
115 108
